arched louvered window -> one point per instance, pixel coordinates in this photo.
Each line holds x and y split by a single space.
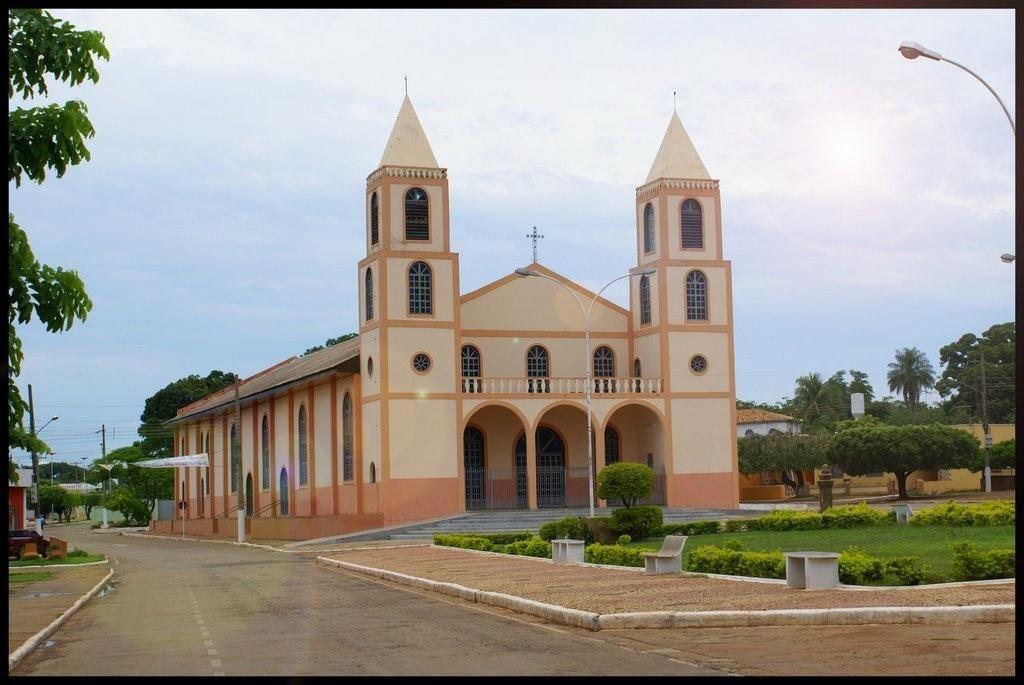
374 219
537 362
368 290
692 222
649 228
303 453
421 297
346 438
696 296
373 472
265 453
611 445
470 361
604 362
645 300
236 458
417 226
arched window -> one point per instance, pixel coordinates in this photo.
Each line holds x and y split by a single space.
537 367
696 296
637 368
282 491
417 226
373 472
470 361
374 219
182 452
421 298
209 459
265 453
369 295
303 454
346 438
692 223
648 228
236 459
604 361
611 445
645 301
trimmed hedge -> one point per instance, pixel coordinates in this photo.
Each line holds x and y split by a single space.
637 522
571 527
971 563
689 528
464 542
614 555
857 566
599 529
909 570
498 538
530 546
854 516
993 513
733 560
534 547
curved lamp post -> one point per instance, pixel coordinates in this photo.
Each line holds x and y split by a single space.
912 50
586 336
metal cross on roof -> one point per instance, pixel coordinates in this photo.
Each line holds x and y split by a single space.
534 236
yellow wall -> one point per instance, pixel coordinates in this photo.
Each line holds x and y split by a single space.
718 311
703 435
398 289
714 347
371 439
422 440
438 343
1000 431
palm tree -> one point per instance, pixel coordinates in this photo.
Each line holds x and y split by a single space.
910 374
815 396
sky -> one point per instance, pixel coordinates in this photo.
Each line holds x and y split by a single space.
866 198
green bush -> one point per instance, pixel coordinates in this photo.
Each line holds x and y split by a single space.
627 482
992 513
614 555
464 542
624 540
599 529
688 528
733 560
736 525
781 519
856 516
499 538
971 563
533 547
78 553
856 567
570 527
637 522
908 570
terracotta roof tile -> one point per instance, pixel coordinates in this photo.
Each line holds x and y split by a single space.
759 416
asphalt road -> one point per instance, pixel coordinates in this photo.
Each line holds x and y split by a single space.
191 608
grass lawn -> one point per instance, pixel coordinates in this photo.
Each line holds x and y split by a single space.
30 576
89 558
933 544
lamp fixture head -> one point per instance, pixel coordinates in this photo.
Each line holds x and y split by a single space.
1008 258
912 50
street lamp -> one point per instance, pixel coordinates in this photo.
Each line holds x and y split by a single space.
912 50
523 272
108 467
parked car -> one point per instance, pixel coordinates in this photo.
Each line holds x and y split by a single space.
17 539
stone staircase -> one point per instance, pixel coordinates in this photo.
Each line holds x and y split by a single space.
532 520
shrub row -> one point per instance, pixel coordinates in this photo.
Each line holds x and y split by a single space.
971 563
615 555
688 528
529 546
854 516
636 522
499 538
993 513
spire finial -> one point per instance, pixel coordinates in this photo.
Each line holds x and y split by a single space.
406 77
674 102
534 236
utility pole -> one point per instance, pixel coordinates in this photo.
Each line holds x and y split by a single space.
984 424
35 461
238 481
103 446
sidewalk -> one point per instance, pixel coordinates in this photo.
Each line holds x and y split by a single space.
607 591
34 605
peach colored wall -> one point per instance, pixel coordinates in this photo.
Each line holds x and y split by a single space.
571 424
717 303
371 439
713 490
375 278
702 436
513 307
348 499
422 442
398 289
369 348
714 347
322 439
648 349
640 432
653 256
710 250
436 214
501 428
634 302
422 498
506 356
438 343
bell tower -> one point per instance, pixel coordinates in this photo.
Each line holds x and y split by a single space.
409 338
683 318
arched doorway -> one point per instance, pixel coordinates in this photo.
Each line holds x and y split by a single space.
283 489
248 494
473 463
634 432
550 468
521 475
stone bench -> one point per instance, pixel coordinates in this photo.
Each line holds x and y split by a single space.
669 559
812 570
567 551
903 512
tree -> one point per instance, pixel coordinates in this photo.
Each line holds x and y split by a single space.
901 450
164 404
145 485
859 383
627 482
783 453
41 138
960 383
90 500
818 402
1002 455
911 373
55 499
134 509
329 342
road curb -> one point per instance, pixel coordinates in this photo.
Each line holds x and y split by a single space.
267 547
17 655
995 613
90 563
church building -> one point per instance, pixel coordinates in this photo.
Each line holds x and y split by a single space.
449 401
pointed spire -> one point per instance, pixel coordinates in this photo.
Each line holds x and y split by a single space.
408 144
677 157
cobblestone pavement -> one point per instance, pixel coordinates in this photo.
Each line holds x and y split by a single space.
31 606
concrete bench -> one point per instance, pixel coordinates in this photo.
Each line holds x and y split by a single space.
812 570
903 512
567 551
669 559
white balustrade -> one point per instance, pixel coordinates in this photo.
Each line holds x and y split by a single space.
576 385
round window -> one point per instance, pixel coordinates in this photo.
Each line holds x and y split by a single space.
698 364
369 366
421 362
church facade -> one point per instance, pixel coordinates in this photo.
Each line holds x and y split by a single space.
449 401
